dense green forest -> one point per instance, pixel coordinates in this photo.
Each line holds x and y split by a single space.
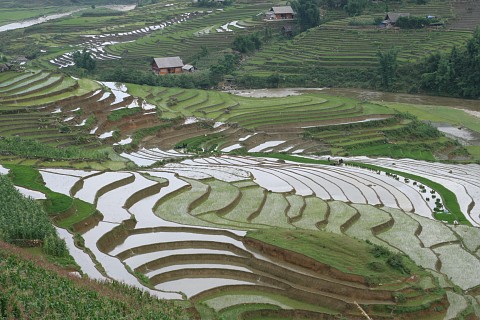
456 73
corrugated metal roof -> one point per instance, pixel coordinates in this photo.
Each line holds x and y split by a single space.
188 67
282 10
168 62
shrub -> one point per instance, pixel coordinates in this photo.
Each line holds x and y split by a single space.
376 266
396 262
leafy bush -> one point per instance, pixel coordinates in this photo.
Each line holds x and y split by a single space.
84 60
376 266
396 262
414 22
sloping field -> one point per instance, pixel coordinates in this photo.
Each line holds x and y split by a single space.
185 223
62 111
462 180
348 48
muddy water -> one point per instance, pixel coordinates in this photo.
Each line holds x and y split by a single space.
192 286
405 98
200 265
363 94
114 267
81 258
142 239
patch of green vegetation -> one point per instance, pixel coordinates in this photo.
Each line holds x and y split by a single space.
30 178
396 151
287 157
435 113
79 298
145 132
346 254
205 143
474 151
22 218
117 115
34 149
83 210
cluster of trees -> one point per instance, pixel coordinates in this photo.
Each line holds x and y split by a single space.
200 79
83 59
307 13
414 22
456 73
247 43
355 7
225 65
387 67
22 218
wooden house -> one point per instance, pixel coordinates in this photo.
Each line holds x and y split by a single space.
392 17
287 30
5 67
280 13
167 65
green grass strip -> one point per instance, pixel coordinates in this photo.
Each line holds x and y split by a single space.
449 198
287 157
56 203
119 114
28 177
83 211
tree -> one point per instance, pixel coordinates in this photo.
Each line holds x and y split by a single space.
355 7
273 80
247 43
387 66
84 60
307 13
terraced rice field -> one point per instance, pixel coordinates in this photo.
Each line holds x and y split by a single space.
64 111
462 180
214 30
349 48
180 230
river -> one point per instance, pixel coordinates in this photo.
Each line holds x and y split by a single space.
31 22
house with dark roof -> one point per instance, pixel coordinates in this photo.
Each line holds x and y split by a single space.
167 65
279 13
392 17
5 67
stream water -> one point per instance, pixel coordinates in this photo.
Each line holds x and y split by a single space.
32 22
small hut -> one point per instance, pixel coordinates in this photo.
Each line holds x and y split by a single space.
167 65
392 17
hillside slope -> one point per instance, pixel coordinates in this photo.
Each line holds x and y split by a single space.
58 295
